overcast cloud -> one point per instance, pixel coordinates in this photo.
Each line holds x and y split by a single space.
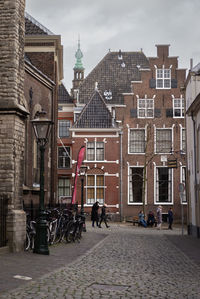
128 25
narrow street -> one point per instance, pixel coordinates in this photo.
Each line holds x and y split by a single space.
125 262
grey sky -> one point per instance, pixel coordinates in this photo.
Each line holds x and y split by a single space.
128 25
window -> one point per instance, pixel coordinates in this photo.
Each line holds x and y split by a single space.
163 140
64 157
137 141
64 187
135 184
178 107
145 108
95 189
163 78
183 143
64 126
95 151
163 185
183 181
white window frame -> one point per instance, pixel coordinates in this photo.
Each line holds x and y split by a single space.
101 201
183 181
156 191
65 155
180 107
155 142
161 76
181 140
128 199
67 127
129 140
64 188
95 151
145 108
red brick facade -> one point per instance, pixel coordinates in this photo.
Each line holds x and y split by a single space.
163 104
152 124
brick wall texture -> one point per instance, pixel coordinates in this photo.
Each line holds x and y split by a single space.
12 111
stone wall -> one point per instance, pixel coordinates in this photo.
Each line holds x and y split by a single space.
12 115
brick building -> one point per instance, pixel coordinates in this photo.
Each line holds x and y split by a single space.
43 73
64 143
146 100
13 111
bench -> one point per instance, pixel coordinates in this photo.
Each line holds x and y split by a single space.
135 221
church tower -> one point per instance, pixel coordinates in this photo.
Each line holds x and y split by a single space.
78 70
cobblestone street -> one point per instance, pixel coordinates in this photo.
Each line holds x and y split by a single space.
130 262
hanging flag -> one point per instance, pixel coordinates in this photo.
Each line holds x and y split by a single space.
80 158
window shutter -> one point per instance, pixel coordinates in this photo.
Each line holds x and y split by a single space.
157 113
133 113
173 83
169 112
152 83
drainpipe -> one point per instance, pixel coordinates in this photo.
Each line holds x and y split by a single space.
120 178
195 161
195 158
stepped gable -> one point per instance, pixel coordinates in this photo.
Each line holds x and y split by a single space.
33 27
63 95
95 114
114 74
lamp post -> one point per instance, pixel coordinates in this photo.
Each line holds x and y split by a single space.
82 173
42 127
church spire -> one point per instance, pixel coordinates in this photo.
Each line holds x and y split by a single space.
79 56
78 71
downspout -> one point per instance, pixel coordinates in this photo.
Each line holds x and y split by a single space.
195 161
120 178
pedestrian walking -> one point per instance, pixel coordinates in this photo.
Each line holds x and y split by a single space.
141 219
103 216
159 216
170 218
94 214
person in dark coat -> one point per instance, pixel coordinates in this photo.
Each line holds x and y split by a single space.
103 216
170 218
94 214
151 219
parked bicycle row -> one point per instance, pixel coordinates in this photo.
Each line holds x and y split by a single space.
63 225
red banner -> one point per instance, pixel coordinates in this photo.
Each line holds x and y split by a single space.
80 158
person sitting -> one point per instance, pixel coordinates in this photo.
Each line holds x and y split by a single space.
141 220
151 219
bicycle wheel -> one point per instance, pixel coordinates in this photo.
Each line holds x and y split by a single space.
27 242
58 235
69 235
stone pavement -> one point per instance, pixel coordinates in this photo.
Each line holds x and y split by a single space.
130 262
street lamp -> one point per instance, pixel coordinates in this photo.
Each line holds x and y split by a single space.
82 173
42 127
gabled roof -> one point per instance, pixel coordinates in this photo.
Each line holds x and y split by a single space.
33 27
95 114
28 62
114 74
63 95
196 69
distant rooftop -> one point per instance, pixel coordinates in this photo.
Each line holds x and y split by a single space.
114 74
33 27
196 68
95 114
63 95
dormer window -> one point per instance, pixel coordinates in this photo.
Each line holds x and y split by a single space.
163 78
